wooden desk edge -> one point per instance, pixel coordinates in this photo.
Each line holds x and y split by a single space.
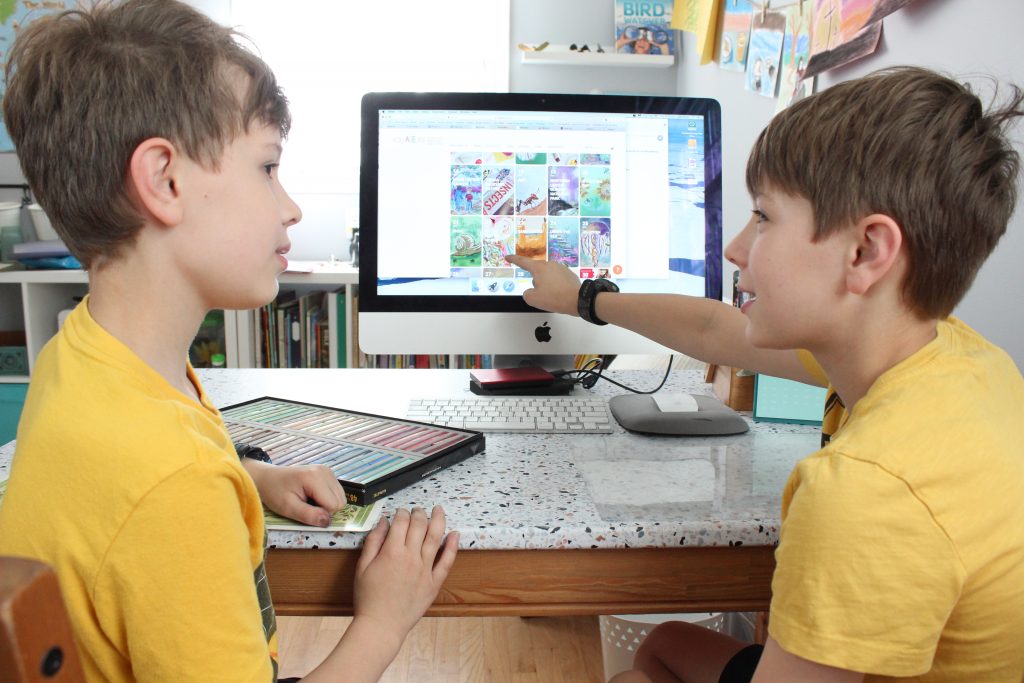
546 582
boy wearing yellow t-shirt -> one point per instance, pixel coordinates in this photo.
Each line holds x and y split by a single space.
152 139
901 551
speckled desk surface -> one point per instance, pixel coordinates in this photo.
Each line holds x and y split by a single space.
545 491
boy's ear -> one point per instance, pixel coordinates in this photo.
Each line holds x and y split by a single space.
152 172
875 252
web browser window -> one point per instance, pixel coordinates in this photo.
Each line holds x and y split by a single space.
617 195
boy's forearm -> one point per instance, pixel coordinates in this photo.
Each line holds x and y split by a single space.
363 654
692 326
708 330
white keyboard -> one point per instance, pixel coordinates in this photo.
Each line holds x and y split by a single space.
521 414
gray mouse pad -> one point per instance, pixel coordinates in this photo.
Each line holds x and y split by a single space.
640 413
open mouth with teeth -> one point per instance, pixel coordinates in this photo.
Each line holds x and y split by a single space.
746 298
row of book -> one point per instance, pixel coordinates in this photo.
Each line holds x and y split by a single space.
310 330
403 361
460 360
295 331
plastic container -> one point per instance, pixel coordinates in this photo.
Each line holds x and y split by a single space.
41 222
209 341
10 229
622 634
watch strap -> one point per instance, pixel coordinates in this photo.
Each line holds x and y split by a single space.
244 450
586 303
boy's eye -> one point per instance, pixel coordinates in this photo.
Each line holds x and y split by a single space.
761 217
269 169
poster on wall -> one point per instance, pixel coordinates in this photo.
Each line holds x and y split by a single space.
700 18
766 37
839 34
732 54
796 49
643 27
15 14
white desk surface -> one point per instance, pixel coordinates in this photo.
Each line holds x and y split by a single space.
619 490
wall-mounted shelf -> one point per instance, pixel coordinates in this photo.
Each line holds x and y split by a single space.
561 55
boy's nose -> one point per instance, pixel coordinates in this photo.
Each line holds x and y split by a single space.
291 212
739 246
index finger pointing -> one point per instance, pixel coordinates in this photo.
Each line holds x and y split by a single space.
520 261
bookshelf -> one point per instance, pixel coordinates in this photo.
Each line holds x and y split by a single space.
332 285
30 301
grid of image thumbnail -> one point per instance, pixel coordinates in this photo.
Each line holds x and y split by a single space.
543 205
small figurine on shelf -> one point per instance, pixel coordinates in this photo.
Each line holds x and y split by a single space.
532 48
353 248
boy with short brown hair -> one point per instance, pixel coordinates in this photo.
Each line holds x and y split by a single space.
901 550
152 139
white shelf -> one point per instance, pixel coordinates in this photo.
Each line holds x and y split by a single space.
12 274
320 273
40 294
561 55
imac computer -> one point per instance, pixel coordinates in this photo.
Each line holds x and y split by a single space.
623 187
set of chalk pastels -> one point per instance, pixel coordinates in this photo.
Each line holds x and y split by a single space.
371 455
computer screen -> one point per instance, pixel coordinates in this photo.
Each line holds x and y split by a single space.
623 187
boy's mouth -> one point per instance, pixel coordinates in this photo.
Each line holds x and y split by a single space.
746 299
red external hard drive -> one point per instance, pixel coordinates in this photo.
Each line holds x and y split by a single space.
507 378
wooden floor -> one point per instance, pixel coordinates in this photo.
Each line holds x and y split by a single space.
464 650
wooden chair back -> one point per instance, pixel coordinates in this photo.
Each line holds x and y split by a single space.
36 643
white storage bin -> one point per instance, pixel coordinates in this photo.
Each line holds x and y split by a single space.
622 634
41 222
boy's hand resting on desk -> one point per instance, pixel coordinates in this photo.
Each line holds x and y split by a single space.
309 494
555 287
398 575
400 570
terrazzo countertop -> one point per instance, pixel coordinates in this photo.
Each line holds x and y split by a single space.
617 490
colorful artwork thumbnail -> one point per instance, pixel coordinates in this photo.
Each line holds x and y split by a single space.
595 191
596 242
498 189
564 240
532 237
466 190
563 190
531 190
532 158
465 241
499 240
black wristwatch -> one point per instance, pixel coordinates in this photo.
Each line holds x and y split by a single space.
588 298
244 450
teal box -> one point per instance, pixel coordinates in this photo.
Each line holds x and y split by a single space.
13 360
12 400
783 400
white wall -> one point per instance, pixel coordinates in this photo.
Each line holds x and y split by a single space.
584 22
959 38
965 38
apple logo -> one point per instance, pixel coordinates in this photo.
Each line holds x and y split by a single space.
543 332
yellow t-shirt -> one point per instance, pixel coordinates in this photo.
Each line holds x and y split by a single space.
901 552
134 494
